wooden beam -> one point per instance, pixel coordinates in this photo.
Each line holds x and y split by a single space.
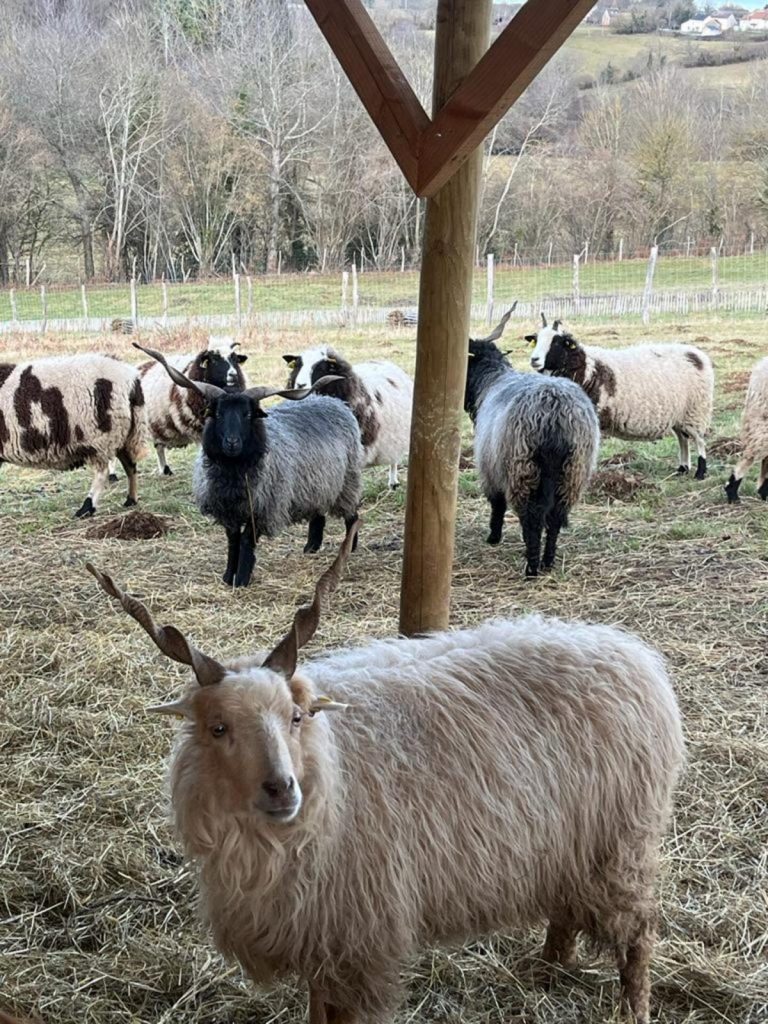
376 76
445 295
538 29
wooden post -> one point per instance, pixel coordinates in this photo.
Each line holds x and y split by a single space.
715 282
44 304
249 303
134 303
14 310
489 289
445 296
164 286
648 290
238 304
344 291
621 249
549 255
29 271
402 259
752 243
355 294
575 284
84 300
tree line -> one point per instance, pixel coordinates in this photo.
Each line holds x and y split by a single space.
178 138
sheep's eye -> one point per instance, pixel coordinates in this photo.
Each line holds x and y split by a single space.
297 717
218 730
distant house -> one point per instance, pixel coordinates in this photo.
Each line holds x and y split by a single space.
693 27
705 27
727 20
754 21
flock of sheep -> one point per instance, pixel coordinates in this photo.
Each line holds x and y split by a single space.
344 813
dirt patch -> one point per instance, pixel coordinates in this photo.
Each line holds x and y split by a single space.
736 381
724 447
133 525
617 486
619 459
701 339
467 458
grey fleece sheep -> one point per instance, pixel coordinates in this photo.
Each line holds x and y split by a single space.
536 442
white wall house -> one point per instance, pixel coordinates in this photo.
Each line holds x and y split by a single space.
756 21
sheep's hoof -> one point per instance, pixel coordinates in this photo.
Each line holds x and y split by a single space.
493 538
311 548
733 499
129 502
393 487
86 510
762 491
682 470
531 572
167 471
701 468
228 578
113 478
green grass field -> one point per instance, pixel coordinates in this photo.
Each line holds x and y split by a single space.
99 923
289 292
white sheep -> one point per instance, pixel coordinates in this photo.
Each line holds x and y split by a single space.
380 395
480 780
641 393
68 411
754 434
175 416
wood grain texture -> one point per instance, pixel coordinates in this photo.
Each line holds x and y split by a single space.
376 77
502 74
443 331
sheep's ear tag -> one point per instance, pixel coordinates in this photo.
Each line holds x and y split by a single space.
331 360
204 362
530 338
570 343
292 364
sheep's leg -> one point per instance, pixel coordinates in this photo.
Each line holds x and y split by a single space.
556 519
560 943
701 461
635 975
99 482
734 482
162 466
246 557
323 1012
685 454
112 471
532 522
315 534
498 508
393 477
233 556
762 480
132 473
349 522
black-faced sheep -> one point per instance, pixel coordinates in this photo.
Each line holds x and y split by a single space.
641 393
259 472
536 442
380 395
176 416
481 780
69 411
754 434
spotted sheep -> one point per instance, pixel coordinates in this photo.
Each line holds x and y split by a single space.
536 443
259 472
176 416
379 393
408 793
641 393
65 412
754 435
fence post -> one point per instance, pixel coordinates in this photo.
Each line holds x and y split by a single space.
134 303
688 246
164 285
14 311
586 251
549 255
249 305
489 288
84 300
575 287
713 256
355 294
344 291
238 306
402 259
44 304
648 290
29 271
752 243
325 259
621 249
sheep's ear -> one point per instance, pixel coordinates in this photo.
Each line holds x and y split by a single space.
556 325
240 358
291 360
176 708
570 343
530 338
326 704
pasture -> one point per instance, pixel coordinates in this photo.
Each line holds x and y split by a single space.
98 910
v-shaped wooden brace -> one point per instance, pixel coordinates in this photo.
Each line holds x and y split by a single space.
429 151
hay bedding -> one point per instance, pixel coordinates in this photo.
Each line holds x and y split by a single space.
97 911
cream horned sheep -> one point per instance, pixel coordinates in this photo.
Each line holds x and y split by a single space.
71 411
754 434
380 395
176 416
479 781
536 442
641 393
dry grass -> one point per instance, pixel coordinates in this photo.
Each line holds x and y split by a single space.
97 919
135 525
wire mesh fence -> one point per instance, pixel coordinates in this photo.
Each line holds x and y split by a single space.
647 284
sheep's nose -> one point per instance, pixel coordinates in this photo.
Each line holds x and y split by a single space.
232 444
535 361
278 786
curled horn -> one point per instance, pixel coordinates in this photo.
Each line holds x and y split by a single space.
209 391
284 657
295 394
543 320
498 330
168 638
556 325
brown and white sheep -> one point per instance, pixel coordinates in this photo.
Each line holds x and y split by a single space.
481 780
641 393
175 416
754 434
380 395
69 411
